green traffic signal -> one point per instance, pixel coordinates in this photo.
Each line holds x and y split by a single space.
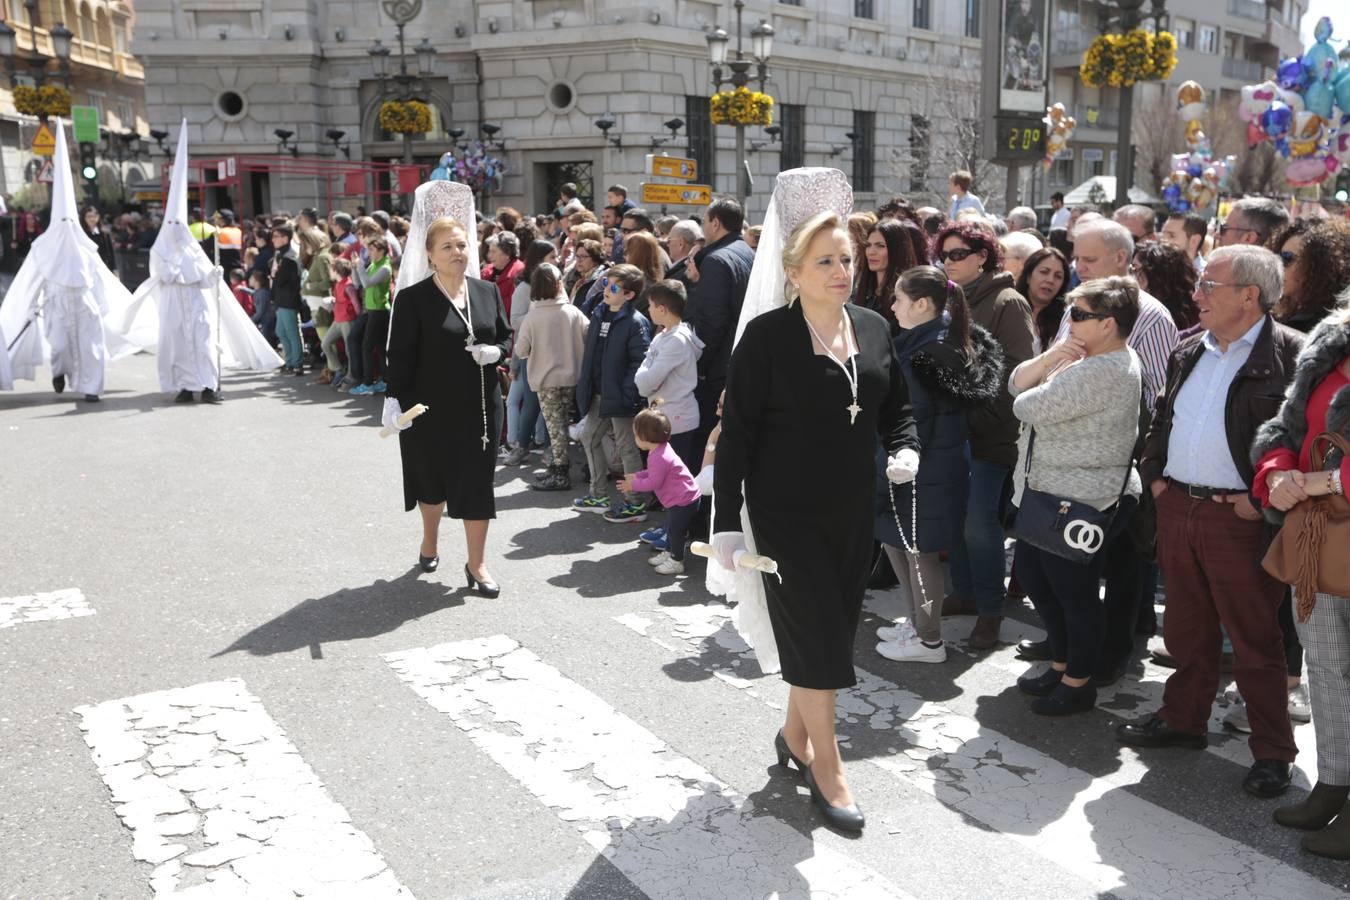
89 172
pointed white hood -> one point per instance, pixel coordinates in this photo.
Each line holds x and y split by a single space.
64 254
176 255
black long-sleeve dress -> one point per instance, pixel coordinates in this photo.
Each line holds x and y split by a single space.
809 478
444 457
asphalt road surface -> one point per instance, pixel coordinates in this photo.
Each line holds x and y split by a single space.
221 675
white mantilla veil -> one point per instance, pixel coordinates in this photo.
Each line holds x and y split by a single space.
798 194
435 200
62 260
182 274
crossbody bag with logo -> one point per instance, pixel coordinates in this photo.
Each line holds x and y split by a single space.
1066 528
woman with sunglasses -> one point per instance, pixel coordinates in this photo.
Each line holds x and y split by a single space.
1081 398
1316 257
970 255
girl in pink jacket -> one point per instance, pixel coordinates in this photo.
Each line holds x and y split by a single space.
668 477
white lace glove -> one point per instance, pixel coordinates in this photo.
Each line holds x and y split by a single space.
484 354
704 481
726 545
389 419
902 467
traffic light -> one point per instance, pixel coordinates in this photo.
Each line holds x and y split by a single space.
89 166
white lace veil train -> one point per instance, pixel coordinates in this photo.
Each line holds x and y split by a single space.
798 194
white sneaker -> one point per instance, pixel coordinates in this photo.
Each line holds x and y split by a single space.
912 651
659 558
1300 705
1236 717
670 566
900 633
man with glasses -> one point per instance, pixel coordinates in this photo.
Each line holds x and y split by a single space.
1222 385
1252 220
684 235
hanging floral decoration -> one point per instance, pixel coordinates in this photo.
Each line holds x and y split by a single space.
48 100
405 117
1120 60
741 106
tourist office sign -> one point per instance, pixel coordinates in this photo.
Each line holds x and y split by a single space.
676 194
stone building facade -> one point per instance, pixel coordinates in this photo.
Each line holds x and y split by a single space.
899 76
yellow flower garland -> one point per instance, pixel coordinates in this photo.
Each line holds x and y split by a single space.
1120 60
48 100
405 116
741 106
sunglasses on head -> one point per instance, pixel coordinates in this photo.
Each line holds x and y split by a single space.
1078 314
956 254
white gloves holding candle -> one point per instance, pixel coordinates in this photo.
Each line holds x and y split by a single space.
727 545
389 418
902 467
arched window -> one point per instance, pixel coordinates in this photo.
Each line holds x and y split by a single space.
86 30
104 26
18 15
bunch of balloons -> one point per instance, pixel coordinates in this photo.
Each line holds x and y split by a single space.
1196 177
1058 133
474 167
1305 112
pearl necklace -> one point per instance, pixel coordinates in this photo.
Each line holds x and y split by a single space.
466 316
852 376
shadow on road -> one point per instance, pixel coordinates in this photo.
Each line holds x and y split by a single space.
347 615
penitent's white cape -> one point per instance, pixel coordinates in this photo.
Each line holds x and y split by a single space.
798 194
184 311
58 305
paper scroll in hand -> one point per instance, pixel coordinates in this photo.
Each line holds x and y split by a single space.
743 560
404 420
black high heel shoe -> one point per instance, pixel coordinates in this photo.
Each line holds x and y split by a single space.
785 753
845 818
428 563
487 589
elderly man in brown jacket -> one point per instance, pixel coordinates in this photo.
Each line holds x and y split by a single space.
1221 386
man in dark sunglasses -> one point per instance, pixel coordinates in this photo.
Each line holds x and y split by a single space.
1252 220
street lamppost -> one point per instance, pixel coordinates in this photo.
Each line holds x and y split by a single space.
61 36
1129 19
761 45
407 85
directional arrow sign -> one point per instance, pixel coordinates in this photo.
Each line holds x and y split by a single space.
677 194
672 167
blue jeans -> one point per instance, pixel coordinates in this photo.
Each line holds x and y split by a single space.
288 330
977 565
522 410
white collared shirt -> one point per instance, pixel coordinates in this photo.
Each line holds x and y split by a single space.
1197 449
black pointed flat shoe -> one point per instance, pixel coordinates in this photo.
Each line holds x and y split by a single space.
428 563
487 589
845 818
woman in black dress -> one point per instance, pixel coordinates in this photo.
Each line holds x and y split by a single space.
449 452
811 387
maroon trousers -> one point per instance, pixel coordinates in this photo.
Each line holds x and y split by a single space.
1211 560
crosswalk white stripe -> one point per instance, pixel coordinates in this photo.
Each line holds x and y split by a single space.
670 826
1145 693
1086 825
221 803
68 603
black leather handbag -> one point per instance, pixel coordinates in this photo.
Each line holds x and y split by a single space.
1061 526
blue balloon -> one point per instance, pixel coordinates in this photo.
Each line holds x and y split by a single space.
1194 171
1183 205
1277 120
440 173
1291 75
1282 147
1319 98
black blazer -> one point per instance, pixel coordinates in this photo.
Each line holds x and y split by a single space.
105 247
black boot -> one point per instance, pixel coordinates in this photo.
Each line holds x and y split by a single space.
210 396
184 396
1317 810
58 383
1332 841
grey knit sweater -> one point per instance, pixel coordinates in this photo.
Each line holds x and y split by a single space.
1086 419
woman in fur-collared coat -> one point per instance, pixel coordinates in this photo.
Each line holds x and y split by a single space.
1318 400
950 365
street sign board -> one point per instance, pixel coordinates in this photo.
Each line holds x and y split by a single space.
44 173
672 167
44 142
677 194
84 122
